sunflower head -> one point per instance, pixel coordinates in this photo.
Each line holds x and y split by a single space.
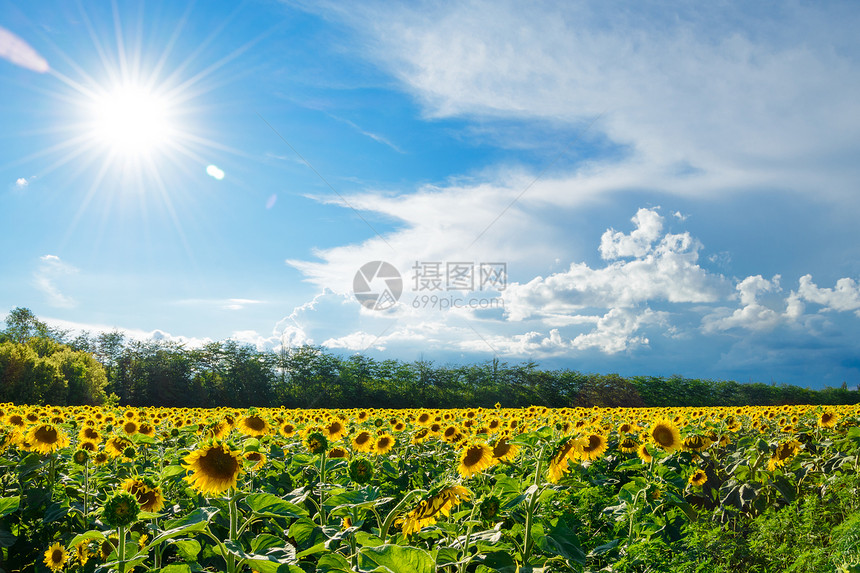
360 470
593 446
121 510
56 557
475 458
489 508
316 442
47 438
214 468
698 478
146 491
81 457
383 444
665 435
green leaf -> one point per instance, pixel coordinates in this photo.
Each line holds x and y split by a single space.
269 505
172 471
9 505
605 548
562 540
86 537
7 538
191 523
56 511
265 542
306 533
396 558
271 562
188 549
333 563
500 561
177 568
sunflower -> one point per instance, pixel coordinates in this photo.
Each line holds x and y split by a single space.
116 446
82 552
334 430
628 445
452 434
437 503
56 557
419 436
784 452
383 444
46 438
121 510
696 443
81 457
665 434
593 447
503 451
108 546
698 478
253 425
828 419
88 434
287 429
337 452
363 442
146 491
558 464
475 458
130 427
254 459
316 442
644 454
360 470
215 468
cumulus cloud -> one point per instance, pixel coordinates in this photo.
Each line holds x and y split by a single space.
844 297
753 313
663 268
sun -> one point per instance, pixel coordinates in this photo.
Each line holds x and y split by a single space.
132 120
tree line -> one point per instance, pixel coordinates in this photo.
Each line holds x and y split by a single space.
42 365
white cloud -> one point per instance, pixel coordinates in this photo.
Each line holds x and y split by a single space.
729 96
753 314
223 303
844 297
616 245
51 271
130 333
22 182
20 53
664 269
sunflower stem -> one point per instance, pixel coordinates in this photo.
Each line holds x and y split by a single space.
531 506
383 533
461 568
322 489
86 488
234 526
120 530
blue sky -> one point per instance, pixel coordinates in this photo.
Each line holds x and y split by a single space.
669 187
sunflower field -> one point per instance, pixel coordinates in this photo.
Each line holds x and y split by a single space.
418 491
